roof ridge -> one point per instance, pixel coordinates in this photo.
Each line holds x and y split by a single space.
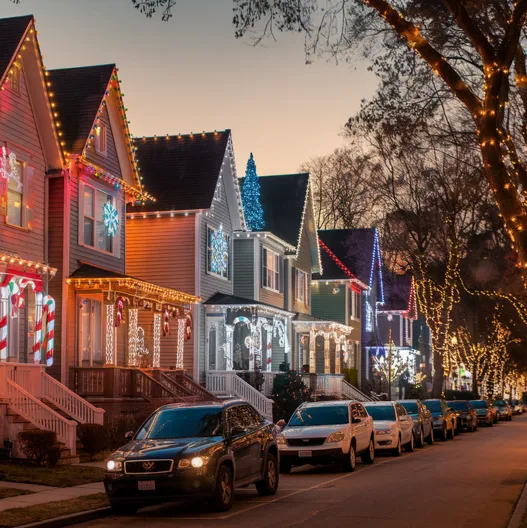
31 17
156 137
108 64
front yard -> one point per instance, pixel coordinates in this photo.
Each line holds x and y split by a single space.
59 477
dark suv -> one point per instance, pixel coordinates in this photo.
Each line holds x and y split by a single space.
201 449
466 415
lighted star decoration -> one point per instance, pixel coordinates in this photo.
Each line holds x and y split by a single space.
220 252
111 219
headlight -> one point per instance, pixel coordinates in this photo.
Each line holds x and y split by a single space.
280 440
114 465
383 432
335 437
195 462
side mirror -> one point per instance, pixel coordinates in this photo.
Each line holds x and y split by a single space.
129 435
237 431
280 424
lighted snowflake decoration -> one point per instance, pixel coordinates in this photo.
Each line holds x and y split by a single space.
220 252
111 219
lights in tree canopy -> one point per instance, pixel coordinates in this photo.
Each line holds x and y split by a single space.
219 251
111 218
251 198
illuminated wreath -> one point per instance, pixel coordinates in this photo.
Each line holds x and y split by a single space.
188 327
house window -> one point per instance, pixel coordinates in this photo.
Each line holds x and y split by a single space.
101 139
301 287
15 197
96 234
14 78
271 270
90 335
218 252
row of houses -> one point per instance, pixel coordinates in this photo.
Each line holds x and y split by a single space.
128 274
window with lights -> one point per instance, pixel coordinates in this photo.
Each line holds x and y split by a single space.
301 287
270 270
14 78
218 252
101 140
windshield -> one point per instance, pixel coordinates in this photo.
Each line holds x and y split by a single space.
458 405
381 412
182 423
411 407
479 404
319 415
499 403
433 405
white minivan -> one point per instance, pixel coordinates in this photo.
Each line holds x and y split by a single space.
326 432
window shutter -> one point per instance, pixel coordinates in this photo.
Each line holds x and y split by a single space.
294 278
281 272
308 290
262 266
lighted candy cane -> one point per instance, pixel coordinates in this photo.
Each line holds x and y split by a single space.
14 291
49 309
166 323
37 346
119 304
3 323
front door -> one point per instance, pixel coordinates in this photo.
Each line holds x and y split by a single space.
90 335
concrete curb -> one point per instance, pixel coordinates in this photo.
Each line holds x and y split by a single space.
519 511
68 520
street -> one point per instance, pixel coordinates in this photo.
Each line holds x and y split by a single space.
473 480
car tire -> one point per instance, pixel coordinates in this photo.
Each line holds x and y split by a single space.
450 434
398 450
421 439
285 467
368 457
410 446
443 436
430 437
223 494
350 461
123 509
269 484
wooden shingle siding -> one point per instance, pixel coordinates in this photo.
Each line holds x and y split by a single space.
110 161
244 271
86 254
19 133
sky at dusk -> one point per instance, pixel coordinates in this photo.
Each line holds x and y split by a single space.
190 74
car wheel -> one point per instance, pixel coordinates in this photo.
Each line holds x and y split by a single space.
421 439
351 459
443 435
369 456
450 434
410 446
224 490
123 509
430 437
285 467
397 451
269 484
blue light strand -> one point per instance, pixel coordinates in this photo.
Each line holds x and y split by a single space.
252 207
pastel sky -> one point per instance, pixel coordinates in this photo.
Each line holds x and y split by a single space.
190 74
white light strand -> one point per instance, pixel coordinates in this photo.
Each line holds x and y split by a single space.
109 334
132 337
156 357
180 342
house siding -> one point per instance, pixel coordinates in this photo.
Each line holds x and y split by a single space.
303 262
243 268
327 305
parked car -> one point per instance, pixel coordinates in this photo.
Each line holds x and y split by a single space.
484 412
465 415
444 419
494 412
393 426
422 420
201 449
504 410
516 406
326 432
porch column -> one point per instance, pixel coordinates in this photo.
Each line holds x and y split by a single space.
156 355
337 356
180 343
269 360
110 338
132 337
229 330
312 352
345 354
327 354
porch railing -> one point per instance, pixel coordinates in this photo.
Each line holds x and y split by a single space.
228 383
149 388
268 382
353 393
41 416
193 388
69 402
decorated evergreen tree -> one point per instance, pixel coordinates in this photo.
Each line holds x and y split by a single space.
251 198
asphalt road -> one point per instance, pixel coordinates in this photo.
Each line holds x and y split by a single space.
471 481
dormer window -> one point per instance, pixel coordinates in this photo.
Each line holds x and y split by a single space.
101 139
14 78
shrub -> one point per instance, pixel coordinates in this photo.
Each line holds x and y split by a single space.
94 438
254 378
289 391
117 427
54 455
36 445
351 375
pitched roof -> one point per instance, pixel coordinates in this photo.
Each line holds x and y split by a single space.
79 93
11 32
181 171
283 200
357 249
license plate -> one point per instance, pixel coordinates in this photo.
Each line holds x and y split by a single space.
146 485
305 454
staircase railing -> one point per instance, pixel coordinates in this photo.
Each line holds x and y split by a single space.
193 388
353 393
149 388
41 416
69 402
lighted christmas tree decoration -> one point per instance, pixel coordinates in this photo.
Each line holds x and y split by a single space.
252 207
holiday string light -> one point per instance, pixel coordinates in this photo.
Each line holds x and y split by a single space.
156 353
252 207
110 336
132 336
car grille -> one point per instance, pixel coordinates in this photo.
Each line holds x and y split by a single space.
148 467
304 442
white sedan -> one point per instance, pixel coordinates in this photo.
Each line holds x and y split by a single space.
393 426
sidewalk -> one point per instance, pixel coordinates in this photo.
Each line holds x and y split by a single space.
45 494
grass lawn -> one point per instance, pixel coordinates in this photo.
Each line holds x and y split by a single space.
41 512
60 476
6 493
